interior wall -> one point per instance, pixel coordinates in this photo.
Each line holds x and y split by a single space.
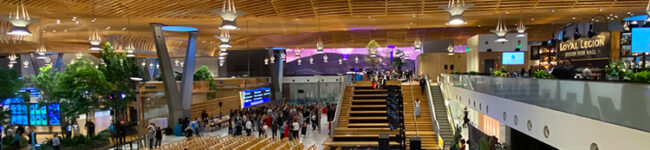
433 64
496 56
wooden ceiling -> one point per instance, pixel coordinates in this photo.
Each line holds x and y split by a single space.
292 23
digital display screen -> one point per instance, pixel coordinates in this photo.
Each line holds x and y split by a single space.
35 114
255 96
513 58
640 40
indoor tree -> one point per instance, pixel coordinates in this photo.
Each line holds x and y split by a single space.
398 61
118 70
80 88
204 74
10 83
46 82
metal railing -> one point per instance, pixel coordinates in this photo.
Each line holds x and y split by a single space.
450 116
335 121
436 127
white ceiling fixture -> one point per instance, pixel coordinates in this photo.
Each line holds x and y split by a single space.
19 21
456 9
223 52
79 55
450 49
11 65
41 52
130 50
266 61
340 61
228 15
521 29
500 31
272 59
325 58
356 60
283 56
94 41
319 46
26 64
177 62
224 38
311 60
417 44
13 58
299 62
143 64
297 52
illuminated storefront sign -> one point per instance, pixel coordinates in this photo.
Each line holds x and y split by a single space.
583 48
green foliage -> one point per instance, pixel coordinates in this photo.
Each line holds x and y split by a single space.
204 74
118 69
81 86
83 142
8 142
10 83
473 73
398 62
615 69
46 82
498 73
642 77
541 74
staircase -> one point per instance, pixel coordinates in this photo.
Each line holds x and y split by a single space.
362 118
422 125
446 131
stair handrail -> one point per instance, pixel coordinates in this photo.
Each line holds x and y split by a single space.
436 127
335 121
450 117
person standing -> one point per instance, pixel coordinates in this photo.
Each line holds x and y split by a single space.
423 83
158 137
249 127
417 107
151 132
296 129
56 142
90 128
586 73
274 128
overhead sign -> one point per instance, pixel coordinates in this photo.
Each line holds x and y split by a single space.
583 48
255 96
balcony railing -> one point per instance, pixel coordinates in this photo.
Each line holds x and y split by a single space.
624 104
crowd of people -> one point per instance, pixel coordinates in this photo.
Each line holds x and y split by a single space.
283 121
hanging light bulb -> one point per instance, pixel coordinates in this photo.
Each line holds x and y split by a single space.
151 65
521 29
11 65
380 60
356 60
311 60
177 63
266 61
12 58
221 62
94 41
19 21
157 66
79 55
319 46
47 60
26 64
130 50
41 52
224 38
417 44
450 49
340 61
283 56
325 58
500 31
456 9
182 63
272 59
299 62
228 15
297 53
143 64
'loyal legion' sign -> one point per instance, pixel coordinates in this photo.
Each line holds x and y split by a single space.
595 47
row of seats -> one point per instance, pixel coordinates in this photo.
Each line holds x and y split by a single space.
233 143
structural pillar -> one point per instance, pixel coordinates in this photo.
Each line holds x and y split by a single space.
171 90
277 69
187 82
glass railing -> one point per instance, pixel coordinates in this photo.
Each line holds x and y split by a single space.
620 103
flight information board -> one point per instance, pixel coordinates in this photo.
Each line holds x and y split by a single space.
255 96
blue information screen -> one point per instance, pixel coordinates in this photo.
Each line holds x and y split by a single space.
35 114
640 40
255 96
513 58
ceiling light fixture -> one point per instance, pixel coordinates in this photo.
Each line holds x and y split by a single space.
272 59
19 21
500 31
311 60
94 41
13 58
299 62
356 60
41 52
79 55
130 50
456 9
228 15
340 61
224 38
521 28
417 44
325 58
450 49
26 64
319 43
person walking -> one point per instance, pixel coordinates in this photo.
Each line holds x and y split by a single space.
151 132
158 137
417 107
56 142
423 83
274 128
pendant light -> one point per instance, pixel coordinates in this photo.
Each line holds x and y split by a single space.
10 65
143 64
130 49
500 31
456 9
79 55
223 52
41 52
356 60
283 56
224 38
221 62
13 58
19 21
228 15
417 44
94 41
325 58
266 61
340 61
450 49
319 46
272 59
26 64
311 60
299 62
521 29
297 52
176 62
